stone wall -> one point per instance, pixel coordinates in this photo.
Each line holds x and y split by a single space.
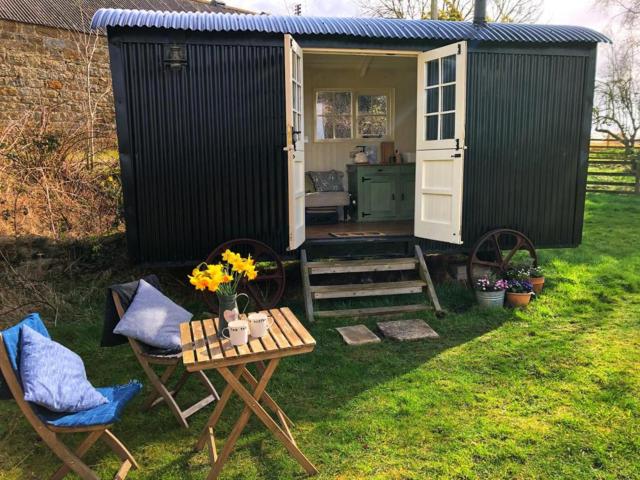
42 70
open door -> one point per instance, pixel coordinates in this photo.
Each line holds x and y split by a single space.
440 147
295 140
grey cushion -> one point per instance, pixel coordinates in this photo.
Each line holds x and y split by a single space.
153 318
330 181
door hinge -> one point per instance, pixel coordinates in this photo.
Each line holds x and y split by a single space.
365 214
459 49
457 144
365 179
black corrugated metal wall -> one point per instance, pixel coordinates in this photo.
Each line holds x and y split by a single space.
528 122
203 161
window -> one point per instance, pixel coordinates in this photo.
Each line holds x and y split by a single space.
333 115
440 98
372 116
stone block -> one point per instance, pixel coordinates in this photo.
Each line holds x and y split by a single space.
403 330
357 335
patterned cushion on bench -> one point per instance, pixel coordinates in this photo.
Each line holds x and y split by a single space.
330 181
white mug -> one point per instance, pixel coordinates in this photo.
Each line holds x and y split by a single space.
259 324
238 332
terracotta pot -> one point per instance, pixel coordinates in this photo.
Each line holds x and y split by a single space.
538 283
518 299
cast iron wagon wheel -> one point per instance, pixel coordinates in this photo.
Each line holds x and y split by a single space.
268 287
496 250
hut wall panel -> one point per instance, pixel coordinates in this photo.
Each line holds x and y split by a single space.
525 134
205 148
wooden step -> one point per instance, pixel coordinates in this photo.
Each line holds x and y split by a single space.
364 312
358 266
320 292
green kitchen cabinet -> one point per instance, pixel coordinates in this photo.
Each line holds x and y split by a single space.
382 192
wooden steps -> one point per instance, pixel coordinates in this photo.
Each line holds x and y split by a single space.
364 312
313 293
357 266
366 290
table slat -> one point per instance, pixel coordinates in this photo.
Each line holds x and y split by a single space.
297 326
188 356
288 332
212 339
202 354
278 336
227 349
267 341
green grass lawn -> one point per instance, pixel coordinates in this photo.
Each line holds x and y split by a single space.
552 391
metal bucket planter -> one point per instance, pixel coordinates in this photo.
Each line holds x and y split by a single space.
490 299
518 299
537 283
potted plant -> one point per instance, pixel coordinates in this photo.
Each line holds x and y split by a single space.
490 291
519 293
223 279
536 277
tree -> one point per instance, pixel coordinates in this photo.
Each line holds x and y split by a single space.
498 10
617 103
629 9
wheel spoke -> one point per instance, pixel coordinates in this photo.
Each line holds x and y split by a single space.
513 251
496 247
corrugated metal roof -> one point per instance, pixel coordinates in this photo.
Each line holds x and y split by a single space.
75 15
381 28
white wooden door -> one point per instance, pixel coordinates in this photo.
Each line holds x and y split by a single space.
440 147
295 140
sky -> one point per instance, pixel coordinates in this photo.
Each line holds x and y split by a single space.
561 12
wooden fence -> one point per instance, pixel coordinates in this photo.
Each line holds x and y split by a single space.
612 170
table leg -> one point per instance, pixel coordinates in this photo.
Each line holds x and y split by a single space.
217 412
253 406
268 401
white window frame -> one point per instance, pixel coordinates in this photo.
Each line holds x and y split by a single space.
315 115
355 135
390 94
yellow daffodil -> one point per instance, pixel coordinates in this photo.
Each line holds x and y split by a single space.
198 281
223 277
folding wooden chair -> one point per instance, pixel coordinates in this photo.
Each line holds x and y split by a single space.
147 357
95 422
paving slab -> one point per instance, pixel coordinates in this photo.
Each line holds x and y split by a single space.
403 330
357 335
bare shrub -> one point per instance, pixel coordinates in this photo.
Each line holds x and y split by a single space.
47 187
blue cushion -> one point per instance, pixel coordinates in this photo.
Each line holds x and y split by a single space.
153 318
53 376
11 339
106 414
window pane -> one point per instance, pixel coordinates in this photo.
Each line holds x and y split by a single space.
432 128
372 126
447 122
433 75
324 128
449 69
324 103
432 100
448 98
342 103
372 104
343 127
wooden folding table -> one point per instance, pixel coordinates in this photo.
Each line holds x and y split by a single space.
202 350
